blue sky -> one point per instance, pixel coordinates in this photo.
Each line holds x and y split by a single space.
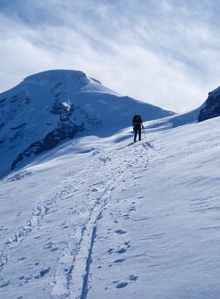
164 52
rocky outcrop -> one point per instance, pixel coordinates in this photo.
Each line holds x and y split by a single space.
51 139
211 107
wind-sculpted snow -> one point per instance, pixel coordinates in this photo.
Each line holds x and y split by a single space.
54 106
109 218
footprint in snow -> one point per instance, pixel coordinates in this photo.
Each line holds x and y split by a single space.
126 216
48 245
66 226
120 251
45 271
138 177
119 261
121 285
54 249
132 209
124 284
21 277
110 250
127 243
42 273
22 258
5 284
120 231
132 277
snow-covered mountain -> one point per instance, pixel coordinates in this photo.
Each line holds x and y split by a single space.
55 105
99 216
106 218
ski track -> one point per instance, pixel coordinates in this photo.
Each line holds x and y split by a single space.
80 277
71 278
74 283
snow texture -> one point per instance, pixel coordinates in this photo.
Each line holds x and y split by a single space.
103 217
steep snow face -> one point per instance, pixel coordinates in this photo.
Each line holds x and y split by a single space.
55 105
212 106
107 218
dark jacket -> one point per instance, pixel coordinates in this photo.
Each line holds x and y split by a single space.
137 121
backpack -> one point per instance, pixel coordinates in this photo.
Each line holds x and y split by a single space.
137 120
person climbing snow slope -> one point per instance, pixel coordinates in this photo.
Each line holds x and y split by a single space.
137 125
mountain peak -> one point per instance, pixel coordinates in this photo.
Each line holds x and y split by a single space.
76 80
54 105
60 74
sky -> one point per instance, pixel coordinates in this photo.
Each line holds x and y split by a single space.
163 52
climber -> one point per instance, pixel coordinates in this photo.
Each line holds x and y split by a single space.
137 125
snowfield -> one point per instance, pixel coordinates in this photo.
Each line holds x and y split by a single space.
107 218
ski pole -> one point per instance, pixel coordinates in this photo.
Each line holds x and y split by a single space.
144 134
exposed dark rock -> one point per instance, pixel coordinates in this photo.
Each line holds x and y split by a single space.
212 106
91 120
16 135
51 139
19 127
65 111
28 100
17 97
2 101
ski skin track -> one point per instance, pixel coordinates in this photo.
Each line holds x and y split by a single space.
74 294
87 241
88 262
86 234
76 285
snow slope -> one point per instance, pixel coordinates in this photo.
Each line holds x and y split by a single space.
52 106
106 218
